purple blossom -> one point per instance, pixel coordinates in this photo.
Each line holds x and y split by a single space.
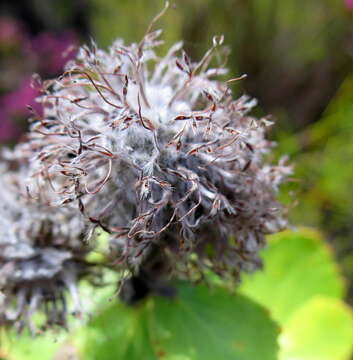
51 51
14 106
7 130
349 4
11 32
46 54
15 103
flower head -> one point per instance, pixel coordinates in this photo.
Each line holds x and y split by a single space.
42 256
158 153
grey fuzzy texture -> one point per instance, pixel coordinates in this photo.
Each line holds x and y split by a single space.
157 152
41 256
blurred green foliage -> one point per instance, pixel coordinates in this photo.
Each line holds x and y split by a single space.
321 329
323 157
129 21
295 52
303 289
288 280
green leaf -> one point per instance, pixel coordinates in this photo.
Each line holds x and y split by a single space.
302 288
298 266
212 324
118 333
27 347
322 329
199 323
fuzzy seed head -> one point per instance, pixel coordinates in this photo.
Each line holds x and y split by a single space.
41 258
156 151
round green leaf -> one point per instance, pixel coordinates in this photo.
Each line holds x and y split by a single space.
297 266
209 324
322 329
117 333
200 323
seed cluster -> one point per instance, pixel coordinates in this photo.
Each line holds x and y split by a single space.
154 151
42 256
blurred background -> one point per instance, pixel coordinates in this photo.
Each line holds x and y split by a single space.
297 55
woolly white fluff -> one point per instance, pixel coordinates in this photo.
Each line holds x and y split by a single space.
158 153
42 256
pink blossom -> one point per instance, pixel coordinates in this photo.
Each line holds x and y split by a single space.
7 130
45 54
15 102
14 105
51 51
349 4
11 32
